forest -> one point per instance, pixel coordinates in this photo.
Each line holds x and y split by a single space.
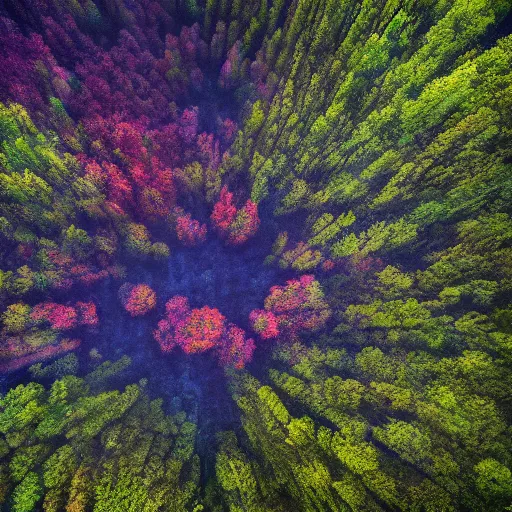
255 256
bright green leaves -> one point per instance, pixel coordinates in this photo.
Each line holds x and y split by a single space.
236 475
21 407
379 237
272 401
60 467
405 439
326 227
494 480
343 394
25 188
16 317
143 460
25 459
122 492
255 121
27 493
472 420
346 246
393 283
107 407
299 193
487 233
403 321
349 445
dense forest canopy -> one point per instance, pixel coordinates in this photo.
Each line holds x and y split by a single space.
255 256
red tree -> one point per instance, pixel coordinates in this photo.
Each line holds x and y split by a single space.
63 317
224 211
236 350
209 150
230 70
236 226
177 311
264 323
188 124
199 330
228 129
128 138
299 305
137 299
87 313
59 316
328 265
202 330
188 230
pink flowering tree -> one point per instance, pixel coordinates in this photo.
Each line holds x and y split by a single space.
87 314
62 318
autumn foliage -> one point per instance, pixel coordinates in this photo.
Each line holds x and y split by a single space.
137 299
265 323
61 317
299 305
234 225
32 334
373 137
87 313
189 231
200 330
236 349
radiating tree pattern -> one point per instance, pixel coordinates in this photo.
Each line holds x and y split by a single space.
255 256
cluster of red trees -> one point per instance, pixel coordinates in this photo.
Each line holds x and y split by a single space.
134 152
297 306
132 140
66 271
199 330
128 78
139 182
61 317
235 225
265 323
21 80
137 299
188 230
115 109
